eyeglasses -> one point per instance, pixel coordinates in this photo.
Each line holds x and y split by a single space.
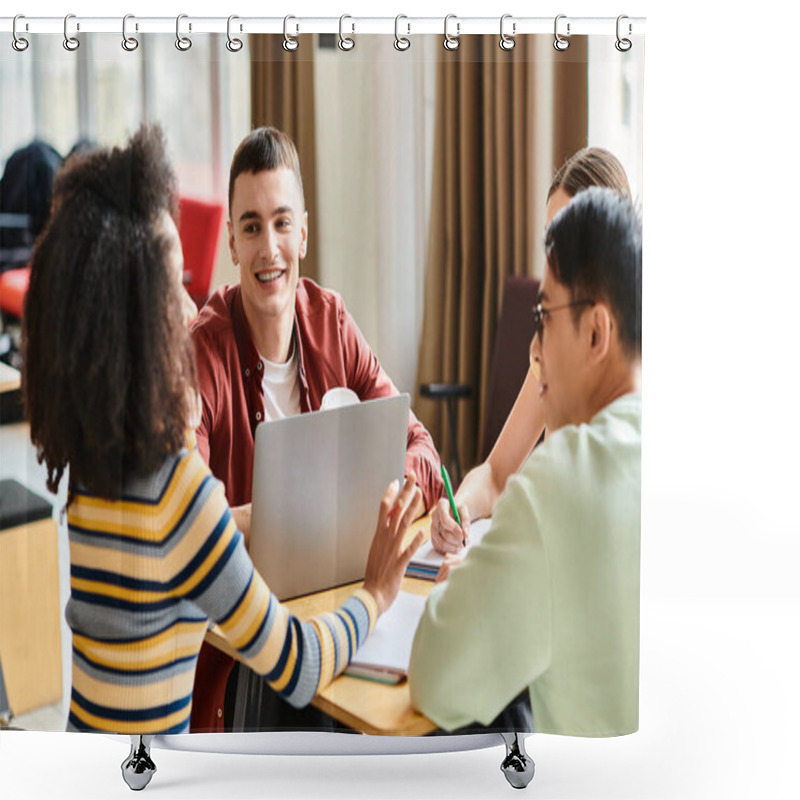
540 312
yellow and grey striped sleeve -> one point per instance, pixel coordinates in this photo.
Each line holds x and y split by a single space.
297 658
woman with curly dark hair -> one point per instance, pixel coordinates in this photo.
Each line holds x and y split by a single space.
110 390
106 354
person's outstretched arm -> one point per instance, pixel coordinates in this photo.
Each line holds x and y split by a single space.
299 658
483 485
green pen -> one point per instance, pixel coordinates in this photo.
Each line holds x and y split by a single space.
453 510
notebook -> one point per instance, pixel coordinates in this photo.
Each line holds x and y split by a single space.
426 561
318 480
385 656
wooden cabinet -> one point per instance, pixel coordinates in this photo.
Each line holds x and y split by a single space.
30 623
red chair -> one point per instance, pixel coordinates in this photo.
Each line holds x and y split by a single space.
199 228
13 288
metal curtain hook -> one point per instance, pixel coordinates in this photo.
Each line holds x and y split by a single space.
560 43
128 42
401 42
507 42
451 42
70 42
346 42
233 45
623 45
290 44
18 42
183 43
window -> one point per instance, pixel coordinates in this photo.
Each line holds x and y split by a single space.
102 93
615 105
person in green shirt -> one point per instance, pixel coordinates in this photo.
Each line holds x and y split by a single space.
549 600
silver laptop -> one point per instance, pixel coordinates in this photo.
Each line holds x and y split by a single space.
318 480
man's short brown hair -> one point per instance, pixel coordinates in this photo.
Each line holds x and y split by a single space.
264 148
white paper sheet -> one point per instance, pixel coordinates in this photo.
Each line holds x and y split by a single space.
426 556
389 644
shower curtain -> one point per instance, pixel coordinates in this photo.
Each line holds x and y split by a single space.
425 173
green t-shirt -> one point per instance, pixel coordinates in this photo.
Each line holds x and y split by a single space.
550 598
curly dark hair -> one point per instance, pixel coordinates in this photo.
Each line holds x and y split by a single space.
108 365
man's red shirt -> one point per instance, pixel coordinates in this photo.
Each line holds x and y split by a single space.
331 352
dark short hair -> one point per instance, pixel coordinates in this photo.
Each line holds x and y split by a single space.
594 248
592 166
264 148
108 364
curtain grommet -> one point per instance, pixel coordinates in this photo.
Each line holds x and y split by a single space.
623 44
401 43
19 43
290 43
560 42
129 43
346 43
451 42
71 43
182 43
507 42
233 44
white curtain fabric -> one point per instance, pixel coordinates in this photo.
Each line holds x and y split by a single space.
374 151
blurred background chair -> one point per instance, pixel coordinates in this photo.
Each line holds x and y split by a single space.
13 288
449 393
510 362
26 190
511 357
199 228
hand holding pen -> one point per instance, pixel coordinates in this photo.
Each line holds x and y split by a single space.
450 524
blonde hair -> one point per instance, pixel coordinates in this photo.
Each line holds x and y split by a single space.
592 166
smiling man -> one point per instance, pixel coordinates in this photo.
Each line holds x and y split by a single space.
549 600
271 346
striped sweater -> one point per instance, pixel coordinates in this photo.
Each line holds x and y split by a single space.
147 573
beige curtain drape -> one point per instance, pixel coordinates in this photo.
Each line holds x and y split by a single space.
505 122
282 95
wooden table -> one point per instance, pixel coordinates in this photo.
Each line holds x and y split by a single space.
363 705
